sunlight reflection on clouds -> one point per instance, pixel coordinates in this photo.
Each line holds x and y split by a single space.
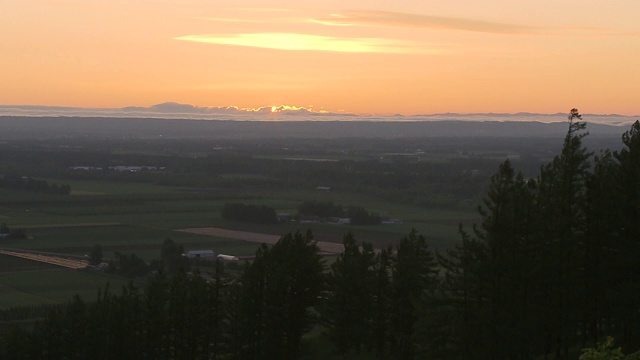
305 42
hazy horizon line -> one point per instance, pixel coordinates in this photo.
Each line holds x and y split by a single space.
173 110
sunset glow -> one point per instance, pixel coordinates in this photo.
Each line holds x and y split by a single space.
414 58
304 42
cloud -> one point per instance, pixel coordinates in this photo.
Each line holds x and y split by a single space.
306 42
265 16
230 20
265 9
396 19
173 110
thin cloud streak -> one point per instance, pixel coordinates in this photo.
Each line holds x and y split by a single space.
254 21
396 19
265 10
306 42
405 20
374 18
228 20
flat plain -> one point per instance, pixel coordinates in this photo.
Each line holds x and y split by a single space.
137 218
417 178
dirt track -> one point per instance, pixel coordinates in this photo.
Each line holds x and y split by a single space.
53 260
325 247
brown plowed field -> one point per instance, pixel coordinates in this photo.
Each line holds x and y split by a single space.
325 247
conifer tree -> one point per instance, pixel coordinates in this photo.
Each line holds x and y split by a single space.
599 250
350 305
278 289
156 322
414 273
628 285
561 205
489 276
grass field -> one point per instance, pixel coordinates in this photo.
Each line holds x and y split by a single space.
137 218
137 207
9 264
144 241
32 283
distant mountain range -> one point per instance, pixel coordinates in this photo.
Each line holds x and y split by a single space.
171 110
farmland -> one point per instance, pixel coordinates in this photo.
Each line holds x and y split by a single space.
139 222
431 184
50 286
136 218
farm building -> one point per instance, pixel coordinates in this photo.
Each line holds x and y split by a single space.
227 257
201 254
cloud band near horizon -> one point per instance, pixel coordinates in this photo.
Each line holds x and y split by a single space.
306 42
397 19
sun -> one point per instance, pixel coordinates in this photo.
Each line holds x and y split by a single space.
274 109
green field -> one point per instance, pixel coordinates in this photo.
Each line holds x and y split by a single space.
35 284
137 218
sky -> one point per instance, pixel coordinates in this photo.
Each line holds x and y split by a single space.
378 57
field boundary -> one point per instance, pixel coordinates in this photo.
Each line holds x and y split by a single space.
325 247
42 226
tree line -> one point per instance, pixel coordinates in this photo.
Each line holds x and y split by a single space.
261 314
358 215
262 214
553 265
8 233
551 268
33 185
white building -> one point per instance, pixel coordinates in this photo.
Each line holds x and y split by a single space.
201 254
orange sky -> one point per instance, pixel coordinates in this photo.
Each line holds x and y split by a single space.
340 56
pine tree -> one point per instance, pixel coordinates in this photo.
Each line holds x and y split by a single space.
599 250
156 322
278 289
628 285
414 273
561 205
350 305
381 303
506 233
513 285
489 276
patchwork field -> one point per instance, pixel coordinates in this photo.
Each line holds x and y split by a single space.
25 282
137 218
